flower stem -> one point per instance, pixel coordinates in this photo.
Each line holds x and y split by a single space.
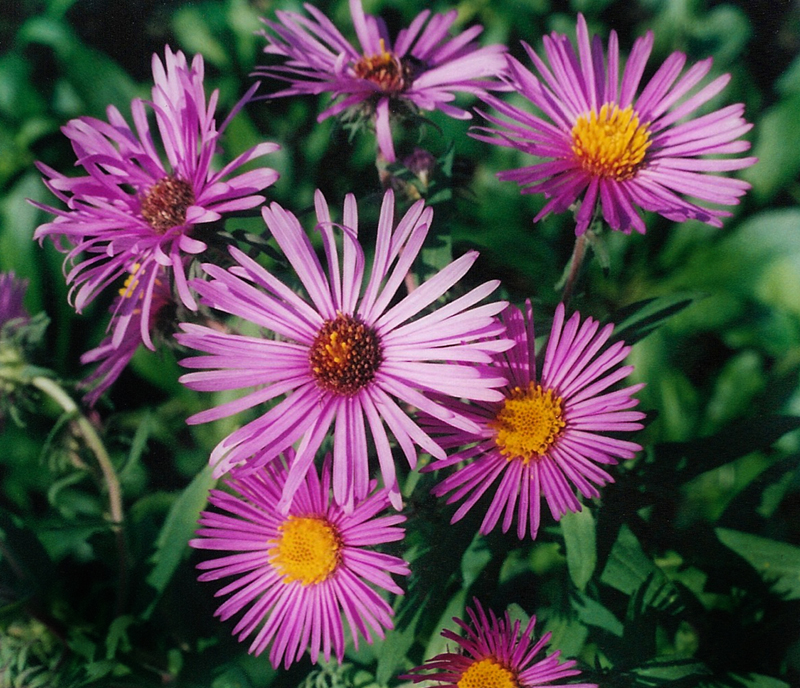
53 390
576 261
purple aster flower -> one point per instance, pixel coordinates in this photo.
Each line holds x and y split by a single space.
494 653
345 354
548 433
116 351
297 573
12 293
603 143
422 69
134 208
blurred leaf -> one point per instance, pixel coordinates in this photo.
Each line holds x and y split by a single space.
739 381
118 635
777 147
679 462
775 561
178 528
756 681
636 321
193 27
578 529
95 77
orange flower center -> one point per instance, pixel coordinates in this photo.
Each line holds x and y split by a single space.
345 355
610 144
487 673
164 204
528 423
308 550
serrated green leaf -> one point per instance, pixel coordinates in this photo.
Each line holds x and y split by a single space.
775 561
178 528
578 529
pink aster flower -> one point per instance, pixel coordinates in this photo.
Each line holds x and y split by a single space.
494 653
134 208
548 433
116 351
606 141
345 354
422 69
297 573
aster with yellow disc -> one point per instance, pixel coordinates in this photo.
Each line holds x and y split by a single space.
496 653
549 435
604 145
299 579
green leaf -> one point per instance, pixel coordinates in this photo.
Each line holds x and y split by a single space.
777 148
628 566
775 561
118 635
593 613
758 681
578 529
475 560
674 463
392 652
178 528
636 321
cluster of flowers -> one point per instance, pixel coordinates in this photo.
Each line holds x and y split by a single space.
352 353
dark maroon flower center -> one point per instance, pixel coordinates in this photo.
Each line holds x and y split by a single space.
389 73
164 204
345 355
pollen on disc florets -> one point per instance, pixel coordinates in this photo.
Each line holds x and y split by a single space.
384 69
487 673
611 143
308 550
528 422
345 355
165 203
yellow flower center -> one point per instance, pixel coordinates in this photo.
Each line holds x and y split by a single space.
345 355
383 69
610 144
165 203
487 673
528 423
307 550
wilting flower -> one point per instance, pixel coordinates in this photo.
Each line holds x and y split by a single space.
132 208
12 293
603 143
116 351
346 354
296 573
422 69
494 653
548 433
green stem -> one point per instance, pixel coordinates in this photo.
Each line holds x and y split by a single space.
578 254
53 390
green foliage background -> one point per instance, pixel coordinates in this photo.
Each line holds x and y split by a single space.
686 573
